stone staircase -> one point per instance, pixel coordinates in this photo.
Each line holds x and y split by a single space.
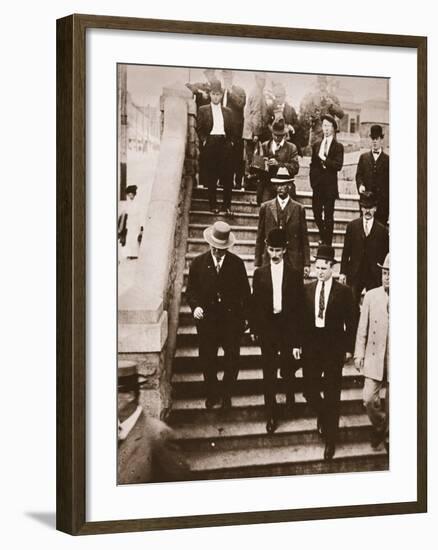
234 443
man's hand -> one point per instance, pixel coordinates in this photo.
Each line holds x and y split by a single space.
361 188
296 352
358 363
205 95
255 139
348 356
306 272
273 162
342 279
198 314
291 128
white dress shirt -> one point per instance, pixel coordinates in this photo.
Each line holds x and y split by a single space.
218 262
367 225
218 120
283 202
320 323
323 146
376 155
225 98
277 284
276 146
126 426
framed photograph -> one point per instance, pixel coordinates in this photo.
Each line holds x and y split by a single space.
241 288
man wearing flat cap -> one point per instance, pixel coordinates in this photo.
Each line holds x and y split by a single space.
276 320
371 356
216 134
366 244
328 341
218 294
289 215
147 449
327 160
373 173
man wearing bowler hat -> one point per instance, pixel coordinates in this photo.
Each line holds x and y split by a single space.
328 341
218 293
373 173
366 244
289 215
216 133
276 320
371 356
327 160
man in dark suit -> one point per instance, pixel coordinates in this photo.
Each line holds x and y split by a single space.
235 98
328 340
218 293
327 160
279 109
284 213
366 245
276 320
373 173
201 90
279 154
216 134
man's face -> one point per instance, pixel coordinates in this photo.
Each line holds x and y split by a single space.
282 190
368 213
218 253
216 97
385 278
327 128
275 254
278 138
376 144
130 196
324 269
126 404
279 96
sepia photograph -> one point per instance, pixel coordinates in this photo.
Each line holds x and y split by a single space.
253 274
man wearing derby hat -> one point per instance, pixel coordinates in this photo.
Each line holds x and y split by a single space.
218 293
280 154
147 450
276 316
373 173
289 215
216 135
328 341
327 160
366 244
371 356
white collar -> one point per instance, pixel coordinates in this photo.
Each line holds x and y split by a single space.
283 202
276 145
376 153
277 266
215 261
327 284
126 426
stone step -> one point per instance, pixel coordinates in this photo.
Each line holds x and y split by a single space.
247 408
285 460
229 435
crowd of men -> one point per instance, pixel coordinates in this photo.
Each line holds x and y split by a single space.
317 326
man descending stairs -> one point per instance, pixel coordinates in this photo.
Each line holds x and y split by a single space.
233 443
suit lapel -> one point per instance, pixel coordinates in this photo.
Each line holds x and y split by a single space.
273 208
333 292
289 209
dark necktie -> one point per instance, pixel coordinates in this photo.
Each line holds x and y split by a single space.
218 268
321 302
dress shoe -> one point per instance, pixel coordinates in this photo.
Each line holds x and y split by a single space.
377 437
226 403
271 425
329 451
211 402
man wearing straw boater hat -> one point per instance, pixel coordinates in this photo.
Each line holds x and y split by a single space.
218 293
327 160
147 450
289 215
276 320
371 356
328 341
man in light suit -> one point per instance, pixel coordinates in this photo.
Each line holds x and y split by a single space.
328 341
373 173
276 320
284 213
327 160
371 356
216 134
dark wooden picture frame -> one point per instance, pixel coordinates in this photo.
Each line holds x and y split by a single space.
71 273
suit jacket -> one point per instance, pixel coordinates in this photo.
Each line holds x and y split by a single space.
225 296
372 333
324 175
374 175
298 252
205 123
292 302
357 245
287 156
339 319
236 99
256 116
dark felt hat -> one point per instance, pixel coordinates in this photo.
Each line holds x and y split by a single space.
376 131
367 199
325 252
279 127
216 86
277 238
131 189
330 119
